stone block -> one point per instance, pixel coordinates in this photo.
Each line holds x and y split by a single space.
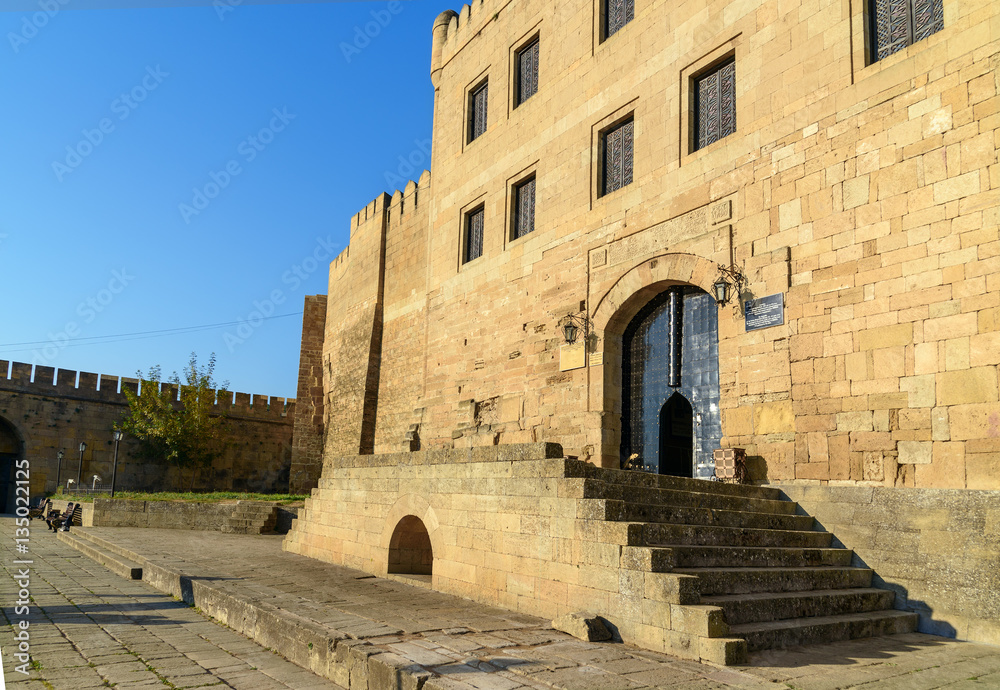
856 192
885 336
978 385
914 452
855 421
583 625
919 389
774 418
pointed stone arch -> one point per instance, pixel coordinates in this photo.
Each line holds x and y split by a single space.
408 536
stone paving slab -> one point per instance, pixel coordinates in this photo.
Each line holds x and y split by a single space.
89 628
378 628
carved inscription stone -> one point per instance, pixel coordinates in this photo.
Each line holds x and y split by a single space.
664 236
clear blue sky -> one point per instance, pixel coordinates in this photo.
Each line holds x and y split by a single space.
112 118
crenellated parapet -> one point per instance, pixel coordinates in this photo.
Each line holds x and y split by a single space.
452 31
19 377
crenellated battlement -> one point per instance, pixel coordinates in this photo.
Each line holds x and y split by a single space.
20 377
397 204
452 31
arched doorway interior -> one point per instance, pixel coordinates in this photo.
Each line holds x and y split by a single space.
670 384
676 429
410 548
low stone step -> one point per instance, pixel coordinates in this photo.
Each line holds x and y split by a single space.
127 569
638 512
771 606
802 631
593 488
751 580
577 468
758 556
667 534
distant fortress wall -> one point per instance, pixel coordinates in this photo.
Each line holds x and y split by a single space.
48 410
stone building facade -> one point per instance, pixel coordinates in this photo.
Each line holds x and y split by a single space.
43 411
598 163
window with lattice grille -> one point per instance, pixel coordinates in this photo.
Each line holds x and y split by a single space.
715 105
896 24
527 73
473 234
617 13
524 209
616 157
478 100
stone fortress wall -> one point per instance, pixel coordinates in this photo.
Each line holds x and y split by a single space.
48 411
866 193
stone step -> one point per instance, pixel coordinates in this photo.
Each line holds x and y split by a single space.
580 469
666 534
593 488
771 606
802 631
757 557
752 580
130 570
625 511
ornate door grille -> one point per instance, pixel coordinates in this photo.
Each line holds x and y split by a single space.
527 73
474 234
896 24
715 105
524 208
618 157
478 100
619 13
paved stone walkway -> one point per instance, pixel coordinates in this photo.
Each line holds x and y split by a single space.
89 628
471 646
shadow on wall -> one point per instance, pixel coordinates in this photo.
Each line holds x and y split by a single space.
902 602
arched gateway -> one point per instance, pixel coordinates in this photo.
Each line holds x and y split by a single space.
10 451
670 384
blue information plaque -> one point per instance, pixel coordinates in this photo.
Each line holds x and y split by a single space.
764 312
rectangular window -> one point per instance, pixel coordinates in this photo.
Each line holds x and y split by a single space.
715 105
478 100
474 234
896 24
524 209
617 14
527 73
616 157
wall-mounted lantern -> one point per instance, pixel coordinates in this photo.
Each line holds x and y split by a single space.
730 279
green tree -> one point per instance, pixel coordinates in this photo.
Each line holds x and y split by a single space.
188 434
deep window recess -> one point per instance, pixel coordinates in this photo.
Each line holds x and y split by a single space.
524 209
618 13
896 24
477 110
715 105
527 73
616 157
473 234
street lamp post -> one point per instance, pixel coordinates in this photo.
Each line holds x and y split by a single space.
114 466
79 470
59 457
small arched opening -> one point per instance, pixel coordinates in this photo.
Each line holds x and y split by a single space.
410 550
677 437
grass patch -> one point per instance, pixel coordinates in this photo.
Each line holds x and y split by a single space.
214 497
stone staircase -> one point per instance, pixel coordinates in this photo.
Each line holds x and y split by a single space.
252 517
760 575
